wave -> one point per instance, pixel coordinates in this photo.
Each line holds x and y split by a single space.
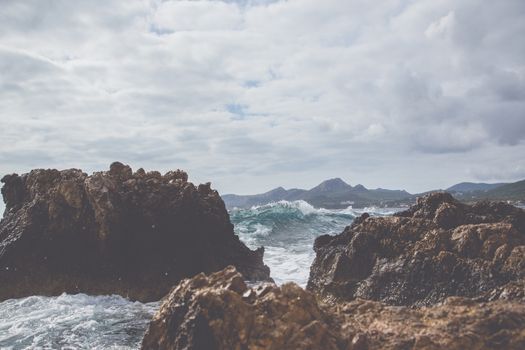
289 210
287 230
283 212
73 321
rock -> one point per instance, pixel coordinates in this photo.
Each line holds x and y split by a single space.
220 312
436 249
359 220
456 324
114 232
359 342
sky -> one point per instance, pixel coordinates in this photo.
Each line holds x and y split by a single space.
252 95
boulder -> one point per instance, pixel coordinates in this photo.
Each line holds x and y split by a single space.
436 249
114 232
220 312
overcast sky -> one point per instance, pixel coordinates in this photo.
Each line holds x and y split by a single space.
251 95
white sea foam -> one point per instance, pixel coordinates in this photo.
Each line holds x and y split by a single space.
73 322
287 230
304 207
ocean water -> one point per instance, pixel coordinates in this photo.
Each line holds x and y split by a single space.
287 230
73 322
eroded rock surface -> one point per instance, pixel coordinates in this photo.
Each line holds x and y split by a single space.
220 312
114 232
436 249
457 323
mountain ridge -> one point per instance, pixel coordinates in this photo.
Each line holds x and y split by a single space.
514 191
332 193
473 186
335 193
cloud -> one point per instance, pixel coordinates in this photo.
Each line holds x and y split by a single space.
255 94
173 16
442 27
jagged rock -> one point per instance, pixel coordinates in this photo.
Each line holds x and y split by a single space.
456 324
220 312
436 249
133 234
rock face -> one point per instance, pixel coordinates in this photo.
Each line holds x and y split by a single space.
133 234
220 312
458 323
436 249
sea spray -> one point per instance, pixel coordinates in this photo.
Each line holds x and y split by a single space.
287 230
73 322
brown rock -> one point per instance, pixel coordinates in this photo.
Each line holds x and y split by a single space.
457 324
359 342
437 248
114 232
220 312
212 312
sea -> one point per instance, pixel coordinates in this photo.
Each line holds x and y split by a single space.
287 230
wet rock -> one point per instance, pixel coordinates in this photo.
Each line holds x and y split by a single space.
436 249
114 232
220 312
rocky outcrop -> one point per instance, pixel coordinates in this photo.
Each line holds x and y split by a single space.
457 323
429 258
133 234
220 312
436 249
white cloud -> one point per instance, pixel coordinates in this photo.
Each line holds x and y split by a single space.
175 16
255 94
443 27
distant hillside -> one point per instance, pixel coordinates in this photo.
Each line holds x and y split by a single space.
333 193
512 191
277 194
471 187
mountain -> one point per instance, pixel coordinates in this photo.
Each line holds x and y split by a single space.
331 186
511 192
239 201
332 193
473 192
336 193
471 187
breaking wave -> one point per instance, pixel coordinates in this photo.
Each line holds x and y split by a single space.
73 322
287 230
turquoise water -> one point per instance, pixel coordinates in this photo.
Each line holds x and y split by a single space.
287 230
